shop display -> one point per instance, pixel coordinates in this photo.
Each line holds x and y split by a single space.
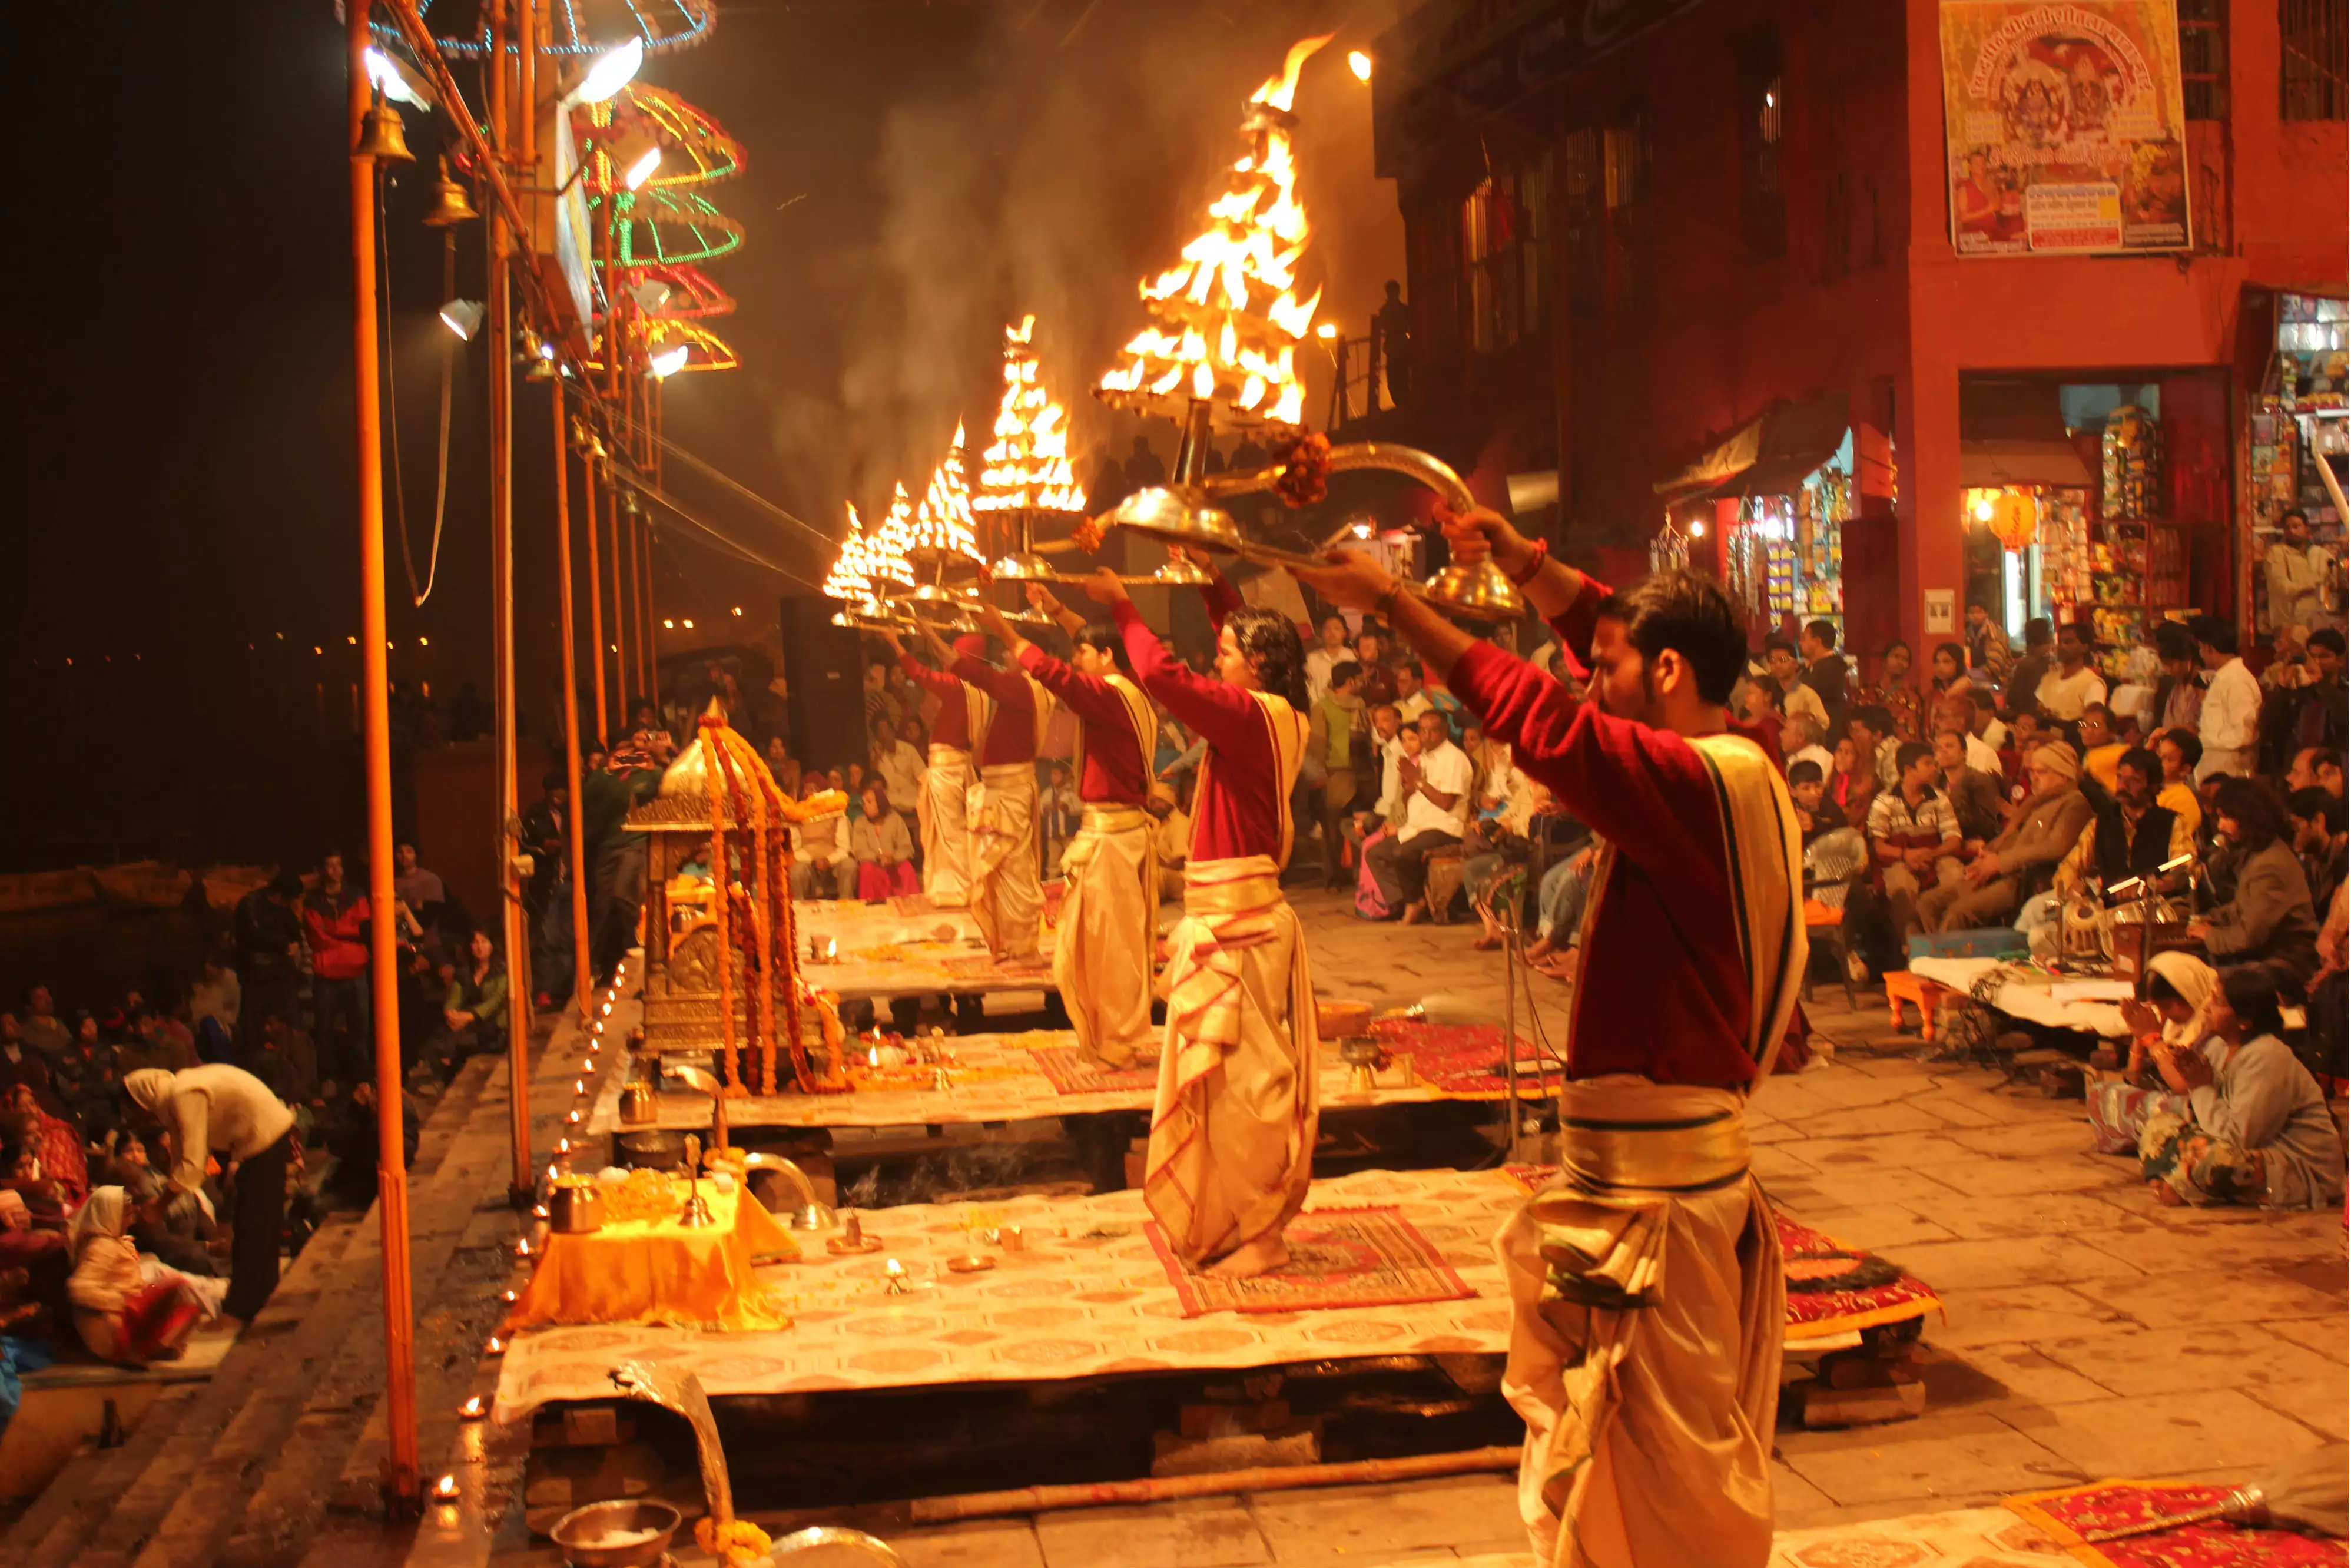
1785 560
2132 567
2298 422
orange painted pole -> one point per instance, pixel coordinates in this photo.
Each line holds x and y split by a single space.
595 595
403 1492
514 933
582 978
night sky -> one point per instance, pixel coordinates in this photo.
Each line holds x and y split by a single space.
916 175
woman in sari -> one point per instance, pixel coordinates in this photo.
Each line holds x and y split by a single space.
883 848
128 1308
2227 1115
54 1140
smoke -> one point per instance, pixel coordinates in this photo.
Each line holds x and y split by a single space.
1069 151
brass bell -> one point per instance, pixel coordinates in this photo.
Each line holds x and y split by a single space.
451 204
381 135
1479 593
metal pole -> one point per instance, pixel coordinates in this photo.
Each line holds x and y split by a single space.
515 940
1511 1027
402 1494
595 595
582 978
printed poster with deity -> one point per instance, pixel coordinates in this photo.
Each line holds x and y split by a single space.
2065 127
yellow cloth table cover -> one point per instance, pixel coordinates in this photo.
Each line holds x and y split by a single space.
658 1271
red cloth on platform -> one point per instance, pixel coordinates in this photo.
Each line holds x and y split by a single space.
1664 991
1115 771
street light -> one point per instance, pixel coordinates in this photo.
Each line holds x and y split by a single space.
608 74
636 155
462 316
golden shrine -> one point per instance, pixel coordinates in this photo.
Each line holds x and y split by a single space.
721 972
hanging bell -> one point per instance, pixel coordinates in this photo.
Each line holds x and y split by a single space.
451 204
381 135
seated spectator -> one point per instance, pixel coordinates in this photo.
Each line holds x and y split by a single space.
1172 839
57 1142
2314 818
884 850
1436 785
215 996
128 1308
1059 812
1897 694
2237 1118
2179 750
412 883
475 1013
20 1064
1950 668
87 1076
2265 939
823 866
2099 747
1801 742
1914 841
2129 836
1852 785
1376 894
898 767
2012 867
353 1141
1973 793
1875 744
782 768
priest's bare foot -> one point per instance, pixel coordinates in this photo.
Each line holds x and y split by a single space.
1260 1256
1414 913
1539 949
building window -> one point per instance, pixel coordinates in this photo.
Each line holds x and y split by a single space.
2204 57
1763 108
1586 235
1632 216
1434 258
1506 252
2312 35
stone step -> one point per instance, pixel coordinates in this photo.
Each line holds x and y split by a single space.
60 1520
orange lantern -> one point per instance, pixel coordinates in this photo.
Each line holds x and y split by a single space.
2015 520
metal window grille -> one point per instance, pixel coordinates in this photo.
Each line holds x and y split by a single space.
2204 57
2313 36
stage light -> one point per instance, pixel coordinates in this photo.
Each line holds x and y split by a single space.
667 362
1697 529
651 295
462 316
395 82
1360 63
1326 331
611 71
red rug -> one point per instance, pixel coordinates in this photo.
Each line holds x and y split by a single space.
1465 1061
1074 1073
1832 1289
2073 1513
1338 1257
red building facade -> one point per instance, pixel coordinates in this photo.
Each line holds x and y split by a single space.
1673 249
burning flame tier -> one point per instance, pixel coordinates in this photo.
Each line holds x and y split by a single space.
1027 468
942 524
1228 320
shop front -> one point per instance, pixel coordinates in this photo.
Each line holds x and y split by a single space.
2296 441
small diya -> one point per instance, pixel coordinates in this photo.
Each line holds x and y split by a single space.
853 1238
971 1263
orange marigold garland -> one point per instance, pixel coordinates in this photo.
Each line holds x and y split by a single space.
1305 470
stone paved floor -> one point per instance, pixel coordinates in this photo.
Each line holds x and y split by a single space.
2090 1331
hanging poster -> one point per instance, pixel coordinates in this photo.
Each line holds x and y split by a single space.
2064 126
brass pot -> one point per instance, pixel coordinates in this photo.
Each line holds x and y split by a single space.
575 1211
637 1109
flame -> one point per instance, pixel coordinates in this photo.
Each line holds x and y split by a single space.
848 578
944 521
1228 318
1027 468
885 547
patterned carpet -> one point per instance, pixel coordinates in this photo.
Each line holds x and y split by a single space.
1338 1257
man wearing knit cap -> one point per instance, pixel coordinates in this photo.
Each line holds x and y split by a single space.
2021 862
950 782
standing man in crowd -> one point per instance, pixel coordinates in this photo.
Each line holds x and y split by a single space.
1647 1281
2065 691
2299 573
335 921
269 953
2229 721
1339 727
1824 669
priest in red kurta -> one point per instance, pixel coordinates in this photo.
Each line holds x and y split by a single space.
1007 713
950 781
1232 1125
1109 921
1645 1354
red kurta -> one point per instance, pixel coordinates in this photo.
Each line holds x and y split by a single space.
1012 733
1664 990
1239 814
1115 769
953 727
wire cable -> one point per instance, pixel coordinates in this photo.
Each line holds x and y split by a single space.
675 450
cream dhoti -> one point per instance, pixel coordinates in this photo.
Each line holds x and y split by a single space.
1102 956
1007 897
945 811
1645 1346
1232 1127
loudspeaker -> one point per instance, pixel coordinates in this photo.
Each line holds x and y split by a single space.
824 675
